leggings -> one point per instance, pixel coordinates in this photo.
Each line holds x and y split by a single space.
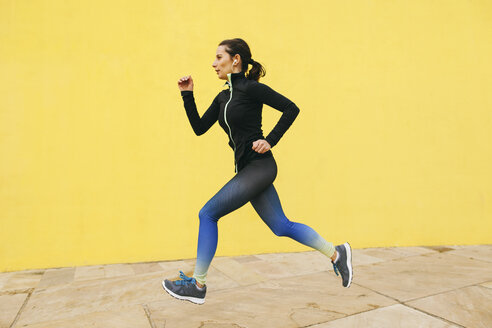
253 183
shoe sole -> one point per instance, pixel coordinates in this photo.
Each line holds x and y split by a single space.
349 262
183 298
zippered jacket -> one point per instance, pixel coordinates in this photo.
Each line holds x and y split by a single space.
238 110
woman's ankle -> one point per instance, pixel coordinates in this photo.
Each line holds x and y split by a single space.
334 256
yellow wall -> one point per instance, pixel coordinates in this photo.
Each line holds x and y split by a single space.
98 163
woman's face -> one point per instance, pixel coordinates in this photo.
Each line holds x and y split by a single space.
223 63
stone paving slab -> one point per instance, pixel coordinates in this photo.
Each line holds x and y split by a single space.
443 286
479 252
389 317
108 294
469 306
23 279
392 253
294 264
53 277
140 268
237 271
184 266
117 270
125 317
4 277
89 272
419 276
10 305
82 297
288 302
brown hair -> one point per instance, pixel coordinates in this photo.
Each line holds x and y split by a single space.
240 47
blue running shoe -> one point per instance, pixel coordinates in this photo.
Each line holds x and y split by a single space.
344 263
185 289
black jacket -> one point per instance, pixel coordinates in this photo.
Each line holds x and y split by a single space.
238 110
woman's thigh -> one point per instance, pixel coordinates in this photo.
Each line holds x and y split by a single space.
243 187
267 205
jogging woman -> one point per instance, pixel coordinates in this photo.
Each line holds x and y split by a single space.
238 110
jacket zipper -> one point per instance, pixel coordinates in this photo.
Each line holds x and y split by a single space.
225 119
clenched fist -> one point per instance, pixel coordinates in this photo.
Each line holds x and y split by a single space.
185 83
261 146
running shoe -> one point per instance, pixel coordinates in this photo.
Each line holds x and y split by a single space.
185 289
344 263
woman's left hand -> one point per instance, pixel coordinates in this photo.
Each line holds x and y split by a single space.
261 146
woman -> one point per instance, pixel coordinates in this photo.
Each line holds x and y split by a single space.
238 110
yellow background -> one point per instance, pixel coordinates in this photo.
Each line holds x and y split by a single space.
99 164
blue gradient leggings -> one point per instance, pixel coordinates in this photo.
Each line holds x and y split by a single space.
253 183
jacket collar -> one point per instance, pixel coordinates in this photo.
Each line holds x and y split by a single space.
232 77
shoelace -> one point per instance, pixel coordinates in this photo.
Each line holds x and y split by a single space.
185 280
335 267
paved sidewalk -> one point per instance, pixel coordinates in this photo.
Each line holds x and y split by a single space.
445 286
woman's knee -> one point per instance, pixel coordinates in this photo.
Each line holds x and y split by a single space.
279 231
282 229
206 214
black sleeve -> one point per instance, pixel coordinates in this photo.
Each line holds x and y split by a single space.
266 95
200 125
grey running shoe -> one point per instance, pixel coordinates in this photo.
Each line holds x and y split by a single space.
185 289
344 263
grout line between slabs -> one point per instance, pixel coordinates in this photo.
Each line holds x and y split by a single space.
404 304
147 313
435 316
30 290
447 291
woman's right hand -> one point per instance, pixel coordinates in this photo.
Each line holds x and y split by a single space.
185 83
